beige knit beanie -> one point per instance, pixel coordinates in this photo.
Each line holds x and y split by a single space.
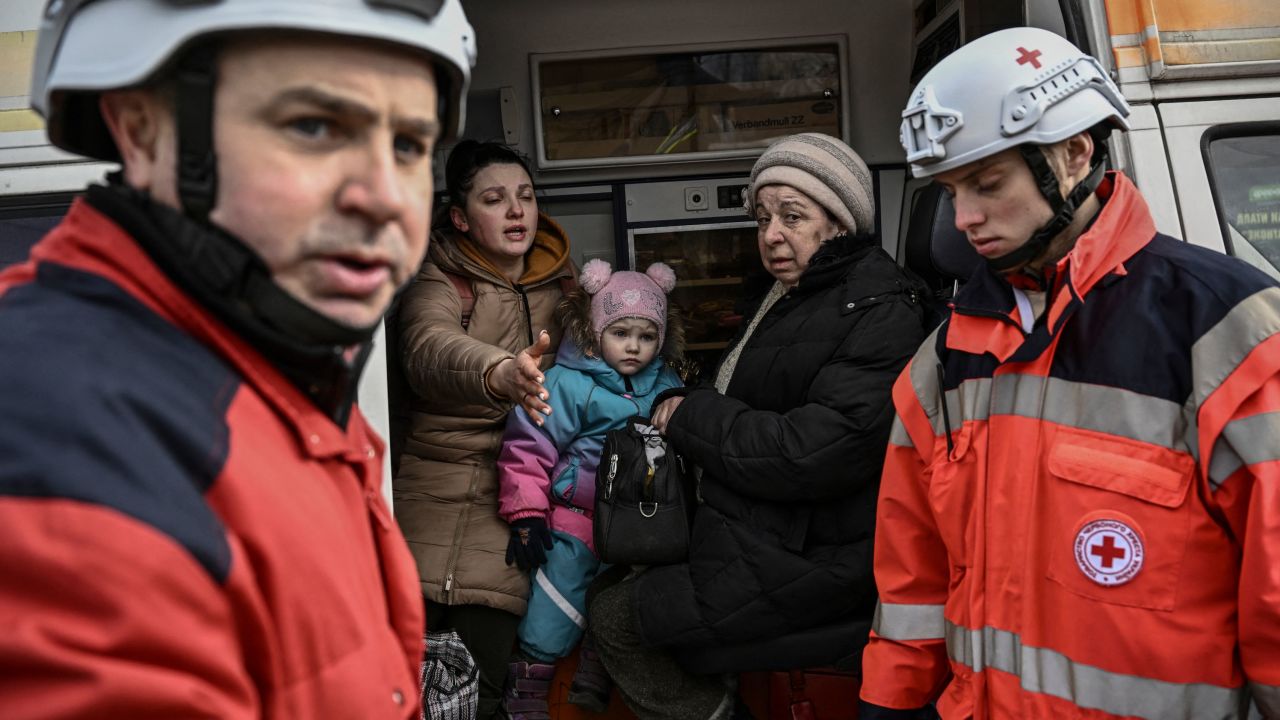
825 169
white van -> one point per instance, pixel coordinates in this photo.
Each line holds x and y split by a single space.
642 119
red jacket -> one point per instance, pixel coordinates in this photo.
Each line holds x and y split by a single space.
1091 529
182 532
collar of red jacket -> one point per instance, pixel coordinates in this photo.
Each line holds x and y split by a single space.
985 319
88 240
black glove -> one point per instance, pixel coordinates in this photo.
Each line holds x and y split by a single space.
530 540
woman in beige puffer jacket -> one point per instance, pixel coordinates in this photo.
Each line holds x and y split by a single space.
446 487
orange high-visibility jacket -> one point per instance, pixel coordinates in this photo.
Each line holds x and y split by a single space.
1090 526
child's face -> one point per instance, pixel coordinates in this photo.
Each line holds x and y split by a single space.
628 345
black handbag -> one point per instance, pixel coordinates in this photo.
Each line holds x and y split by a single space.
644 498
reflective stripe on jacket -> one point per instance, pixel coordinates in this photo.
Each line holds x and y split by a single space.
1090 528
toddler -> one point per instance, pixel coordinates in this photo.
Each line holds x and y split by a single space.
615 358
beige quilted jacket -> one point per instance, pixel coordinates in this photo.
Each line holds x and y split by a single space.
446 489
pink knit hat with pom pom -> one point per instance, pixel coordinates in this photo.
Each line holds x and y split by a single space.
627 294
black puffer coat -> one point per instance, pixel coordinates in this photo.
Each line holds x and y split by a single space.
791 456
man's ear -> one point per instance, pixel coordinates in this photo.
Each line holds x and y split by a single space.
1079 157
137 120
459 219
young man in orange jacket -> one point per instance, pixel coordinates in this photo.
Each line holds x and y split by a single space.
1080 510
191 522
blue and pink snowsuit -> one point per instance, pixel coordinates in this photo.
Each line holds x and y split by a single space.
550 472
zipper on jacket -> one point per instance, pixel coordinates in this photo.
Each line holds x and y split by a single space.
458 532
613 472
946 414
528 314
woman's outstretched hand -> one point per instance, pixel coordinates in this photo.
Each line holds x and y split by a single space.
519 379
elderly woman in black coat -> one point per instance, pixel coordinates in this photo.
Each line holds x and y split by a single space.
791 437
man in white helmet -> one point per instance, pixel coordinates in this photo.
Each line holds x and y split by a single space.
1080 510
190 516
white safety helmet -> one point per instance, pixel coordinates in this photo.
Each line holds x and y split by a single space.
1012 87
89 46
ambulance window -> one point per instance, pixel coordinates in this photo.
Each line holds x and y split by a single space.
600 109
1244 172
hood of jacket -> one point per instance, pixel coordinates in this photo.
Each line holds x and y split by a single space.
547 257
642 383
826 266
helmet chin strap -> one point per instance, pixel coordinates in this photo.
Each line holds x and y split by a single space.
222 269
1064 209
195 79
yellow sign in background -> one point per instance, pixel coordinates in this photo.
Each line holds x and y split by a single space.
17 51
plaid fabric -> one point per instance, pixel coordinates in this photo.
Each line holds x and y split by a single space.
450 680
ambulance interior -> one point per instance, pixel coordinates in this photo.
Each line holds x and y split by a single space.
641 121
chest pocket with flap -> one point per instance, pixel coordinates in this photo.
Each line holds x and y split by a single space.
1143 486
